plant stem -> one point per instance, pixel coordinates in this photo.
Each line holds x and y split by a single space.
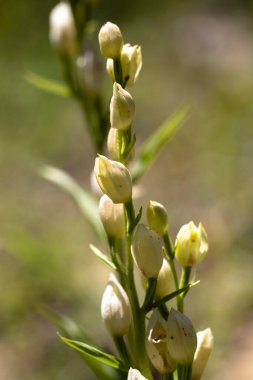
170 255
138 331
150 293
184 281
117 71
122 349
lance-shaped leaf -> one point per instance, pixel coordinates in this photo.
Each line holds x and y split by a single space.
48 85
102 257
153 145
97 354
69 328
85 201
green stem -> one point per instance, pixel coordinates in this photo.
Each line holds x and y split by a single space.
184 281
116 259
170 255
123 350
150 293
118 71
138 328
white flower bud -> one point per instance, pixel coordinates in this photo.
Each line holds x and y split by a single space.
90 72
165 281
147 251
182 337
115 308
110 68
157 344
134 374
131 62
62 29
112 217
191 244
203 351
114 179
110 40
121 108
157 217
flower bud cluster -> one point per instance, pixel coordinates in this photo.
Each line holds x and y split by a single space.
171 342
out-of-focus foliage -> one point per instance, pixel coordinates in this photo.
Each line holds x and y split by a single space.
195 52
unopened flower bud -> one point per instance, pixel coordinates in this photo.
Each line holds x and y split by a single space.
203 351
157 344
157 217
114 179
182 337
121 108
110 40
131 62
147 251
62 29
112 217
90 72
134 374
115 308
116 145
164 281
191 244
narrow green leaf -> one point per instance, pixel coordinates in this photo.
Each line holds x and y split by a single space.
102 257
48 85
153 145
97 354
85 201
171 295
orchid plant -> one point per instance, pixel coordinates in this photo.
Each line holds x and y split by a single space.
153 340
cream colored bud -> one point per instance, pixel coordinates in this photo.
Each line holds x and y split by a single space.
131 62
114 179
157 344
110 68
182 337
157 217
115 308
90 72
121 108
191 244
62 29
147 251
116 144
165 283
112 217
134 374
110 40
203 351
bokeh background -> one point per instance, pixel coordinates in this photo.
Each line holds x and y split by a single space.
196 52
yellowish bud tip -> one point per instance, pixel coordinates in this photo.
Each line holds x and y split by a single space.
115 308
114 179
131 63
121 108
157 217
165 282
191 244
147 251
110 40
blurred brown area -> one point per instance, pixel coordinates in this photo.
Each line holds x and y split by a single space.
194 52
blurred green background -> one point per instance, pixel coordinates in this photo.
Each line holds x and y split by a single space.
195 52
